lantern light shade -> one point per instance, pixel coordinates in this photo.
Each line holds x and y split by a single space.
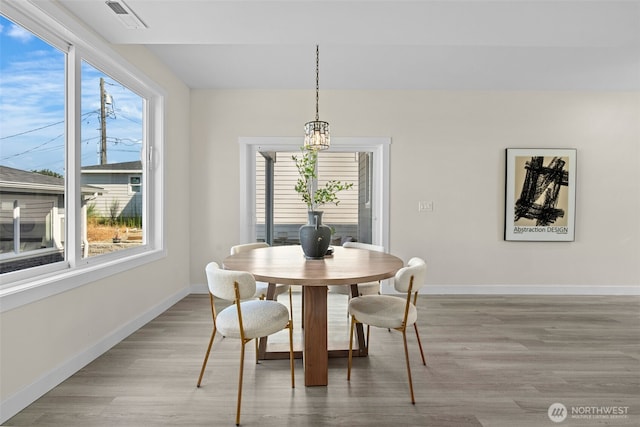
316 133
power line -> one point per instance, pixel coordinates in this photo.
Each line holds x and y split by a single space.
44 127
124 151
111 140
32 130
124 141
32 149
138 122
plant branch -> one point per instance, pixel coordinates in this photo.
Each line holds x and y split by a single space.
307 171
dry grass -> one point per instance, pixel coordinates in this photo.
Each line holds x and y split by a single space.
105 233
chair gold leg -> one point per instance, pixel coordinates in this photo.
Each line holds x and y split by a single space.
240 384
290 303
353 321
424 361
406 354
206 356
291 356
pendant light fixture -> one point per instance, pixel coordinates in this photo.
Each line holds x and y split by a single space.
316 133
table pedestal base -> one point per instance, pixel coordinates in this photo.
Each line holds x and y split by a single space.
316 357
316 352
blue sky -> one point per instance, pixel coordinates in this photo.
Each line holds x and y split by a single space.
32 92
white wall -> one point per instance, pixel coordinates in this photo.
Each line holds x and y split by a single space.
44 340
449 148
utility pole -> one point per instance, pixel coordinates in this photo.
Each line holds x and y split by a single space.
103 124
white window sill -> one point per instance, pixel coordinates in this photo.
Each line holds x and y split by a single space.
37 288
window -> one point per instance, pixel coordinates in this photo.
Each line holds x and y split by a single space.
77 130
134 184
111 145
348 160
289 213
32 150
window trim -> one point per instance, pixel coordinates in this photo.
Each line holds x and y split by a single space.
380 146
57 28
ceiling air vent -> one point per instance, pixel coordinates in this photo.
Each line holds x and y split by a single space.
127 16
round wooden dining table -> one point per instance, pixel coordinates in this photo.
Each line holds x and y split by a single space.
288 265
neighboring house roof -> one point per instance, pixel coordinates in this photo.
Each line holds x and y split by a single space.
25 181
124 167
18 175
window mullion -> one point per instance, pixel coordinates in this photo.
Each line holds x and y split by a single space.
73 214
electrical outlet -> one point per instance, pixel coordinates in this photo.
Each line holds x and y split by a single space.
425 206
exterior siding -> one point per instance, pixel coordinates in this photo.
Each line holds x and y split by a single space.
116 194
289 211
38 214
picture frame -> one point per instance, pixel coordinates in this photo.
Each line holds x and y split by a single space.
540 195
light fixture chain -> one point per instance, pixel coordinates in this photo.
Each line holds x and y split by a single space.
316 133
317 81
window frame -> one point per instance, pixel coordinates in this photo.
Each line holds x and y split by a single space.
379 146
59 30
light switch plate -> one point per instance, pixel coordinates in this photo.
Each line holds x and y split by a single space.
425 206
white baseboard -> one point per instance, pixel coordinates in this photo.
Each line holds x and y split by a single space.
199 288
530 290
29 394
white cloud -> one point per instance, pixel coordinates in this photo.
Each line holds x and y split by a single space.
19 33
32 110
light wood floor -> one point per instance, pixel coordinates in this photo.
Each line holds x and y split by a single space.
491 361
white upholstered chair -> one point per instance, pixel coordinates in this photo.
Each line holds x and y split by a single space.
262 287
368 288
392 312
244 319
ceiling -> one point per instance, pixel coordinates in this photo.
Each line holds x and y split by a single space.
382 44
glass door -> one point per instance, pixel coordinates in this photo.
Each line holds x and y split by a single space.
280 212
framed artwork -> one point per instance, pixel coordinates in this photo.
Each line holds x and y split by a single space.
540 195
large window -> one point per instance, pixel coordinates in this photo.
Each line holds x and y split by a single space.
79 188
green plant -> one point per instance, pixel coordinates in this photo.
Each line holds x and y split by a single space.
130 221
306 186
114 209
92 213
47 172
